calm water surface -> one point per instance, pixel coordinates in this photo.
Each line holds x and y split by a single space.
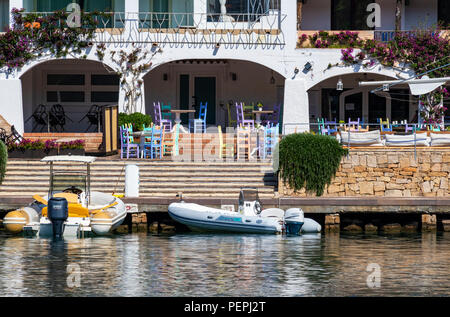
225 265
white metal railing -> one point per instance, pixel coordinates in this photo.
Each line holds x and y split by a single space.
188 28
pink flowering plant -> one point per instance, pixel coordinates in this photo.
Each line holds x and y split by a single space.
432 109
72 145
28 144
34 35
419 50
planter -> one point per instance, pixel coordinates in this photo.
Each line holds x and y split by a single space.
29 153
71 152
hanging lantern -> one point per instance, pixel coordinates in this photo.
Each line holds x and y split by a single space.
340 85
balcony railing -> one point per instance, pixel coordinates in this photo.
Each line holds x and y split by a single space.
189 28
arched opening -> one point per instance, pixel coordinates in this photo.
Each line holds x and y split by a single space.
184 84
353 102
76 85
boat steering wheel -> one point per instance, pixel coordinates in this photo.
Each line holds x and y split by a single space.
73 190
257 207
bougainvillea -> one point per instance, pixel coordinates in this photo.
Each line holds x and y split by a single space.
418 50
34 35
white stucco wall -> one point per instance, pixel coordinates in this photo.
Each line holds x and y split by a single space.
11 102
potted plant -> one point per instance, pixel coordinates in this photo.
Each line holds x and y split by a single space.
28 148
75 147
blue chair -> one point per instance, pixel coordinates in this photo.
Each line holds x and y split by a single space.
200 123
331 126
157 142
146 143
270 140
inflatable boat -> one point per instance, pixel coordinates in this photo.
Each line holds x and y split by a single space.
70 208
250 217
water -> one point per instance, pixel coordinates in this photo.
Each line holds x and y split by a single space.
225 265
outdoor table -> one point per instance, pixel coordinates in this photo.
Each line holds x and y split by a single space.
178 113
258 114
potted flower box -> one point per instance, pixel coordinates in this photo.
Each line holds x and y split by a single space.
75 147
32 149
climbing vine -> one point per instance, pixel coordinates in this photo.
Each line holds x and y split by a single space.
309 161
130 67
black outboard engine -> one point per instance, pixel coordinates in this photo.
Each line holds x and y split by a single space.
58 212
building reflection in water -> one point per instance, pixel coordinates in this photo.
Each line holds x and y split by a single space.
226 265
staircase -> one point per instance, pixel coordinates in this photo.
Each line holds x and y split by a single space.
157 178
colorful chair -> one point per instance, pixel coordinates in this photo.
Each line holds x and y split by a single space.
270 140
157 142
200 123
223 147
384 125
243 142
127 146
321 126
248 111
170 145
231 122
353 126
331 126
158 119
241 121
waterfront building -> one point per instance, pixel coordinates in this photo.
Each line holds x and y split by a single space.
222 52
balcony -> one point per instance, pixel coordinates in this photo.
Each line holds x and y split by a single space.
378 35
188 28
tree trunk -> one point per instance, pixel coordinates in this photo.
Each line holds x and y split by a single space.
398 15
299 14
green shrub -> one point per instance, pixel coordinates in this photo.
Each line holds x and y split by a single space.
309 161
3 160
137 119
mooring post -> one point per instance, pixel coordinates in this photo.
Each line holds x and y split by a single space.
332 223
429 222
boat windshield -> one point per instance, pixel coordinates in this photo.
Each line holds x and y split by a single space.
68 182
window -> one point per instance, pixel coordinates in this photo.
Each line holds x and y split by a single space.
105 80
242 10
105 96
4 15
444 12
86 5
65 79
52 96
71 96
349 14
81 88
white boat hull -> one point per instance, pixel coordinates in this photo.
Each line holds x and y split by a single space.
102 224
201 218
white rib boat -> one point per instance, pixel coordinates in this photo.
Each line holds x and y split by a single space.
250 217
69 203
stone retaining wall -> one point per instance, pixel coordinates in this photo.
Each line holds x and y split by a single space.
388 172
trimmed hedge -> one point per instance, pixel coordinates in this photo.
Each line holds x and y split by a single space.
137 119
3 160
309 161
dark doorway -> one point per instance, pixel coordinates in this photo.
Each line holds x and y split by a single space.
377 108
205 91
353 107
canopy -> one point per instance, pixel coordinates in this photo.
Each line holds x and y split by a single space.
69 158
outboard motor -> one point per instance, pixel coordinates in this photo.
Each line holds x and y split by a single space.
294 219
58 212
